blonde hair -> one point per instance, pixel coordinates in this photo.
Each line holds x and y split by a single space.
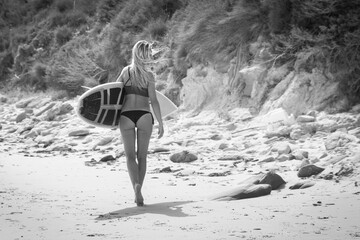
140 64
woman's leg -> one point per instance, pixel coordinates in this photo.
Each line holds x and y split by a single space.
144 130
127 129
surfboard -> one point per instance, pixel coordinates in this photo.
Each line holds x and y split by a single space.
101 106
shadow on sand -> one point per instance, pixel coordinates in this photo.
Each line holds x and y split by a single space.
171 209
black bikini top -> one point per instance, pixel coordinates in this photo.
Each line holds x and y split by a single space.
135 89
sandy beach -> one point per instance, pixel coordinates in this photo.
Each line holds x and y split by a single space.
61 190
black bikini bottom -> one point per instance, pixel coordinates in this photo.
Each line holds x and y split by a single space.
135 115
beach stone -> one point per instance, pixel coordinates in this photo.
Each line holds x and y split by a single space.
230 157
216 137
23 103
160 149
183 157
20 117
309 170
300 154
305 119
302 185
312 113
282 131
32 134
104 141
79 133
223 146
304 163
267 159
339 139
244 191
283 157
281 148
165 170
107 158
296 134
345 170
273 179
44 109
65 108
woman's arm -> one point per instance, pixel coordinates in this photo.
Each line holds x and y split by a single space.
156 107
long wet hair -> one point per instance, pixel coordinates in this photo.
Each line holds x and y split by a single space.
140 64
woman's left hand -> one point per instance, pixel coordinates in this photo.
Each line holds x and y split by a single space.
160 131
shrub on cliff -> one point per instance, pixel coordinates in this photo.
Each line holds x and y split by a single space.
136 20
63 35
75 66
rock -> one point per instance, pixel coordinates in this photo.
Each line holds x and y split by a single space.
24 129
296 134
339 139
44 109
183 157
231 127
302 185
281 148
244 191
223 146
300 154
65 108
46 140
267 159
79 133
216 137
21 117
31 134
104 141
283 157
160 149
312 113
304 163
355 109
273 179
305 119
24 103
107 158
219 174
309 170
165 170
91 163
230 158
283 131
345 170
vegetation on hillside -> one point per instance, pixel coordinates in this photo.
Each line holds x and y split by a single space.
65 44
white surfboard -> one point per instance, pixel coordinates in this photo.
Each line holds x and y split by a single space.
101 106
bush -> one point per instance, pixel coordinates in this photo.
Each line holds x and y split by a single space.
43 39
75 66
38 77
57 19
206 32
75 18
63 35
107 9
64 5
156 29
4 40
41 4
6 63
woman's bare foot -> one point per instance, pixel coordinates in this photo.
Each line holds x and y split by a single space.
139 200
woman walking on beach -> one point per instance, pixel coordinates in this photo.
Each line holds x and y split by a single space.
136 120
